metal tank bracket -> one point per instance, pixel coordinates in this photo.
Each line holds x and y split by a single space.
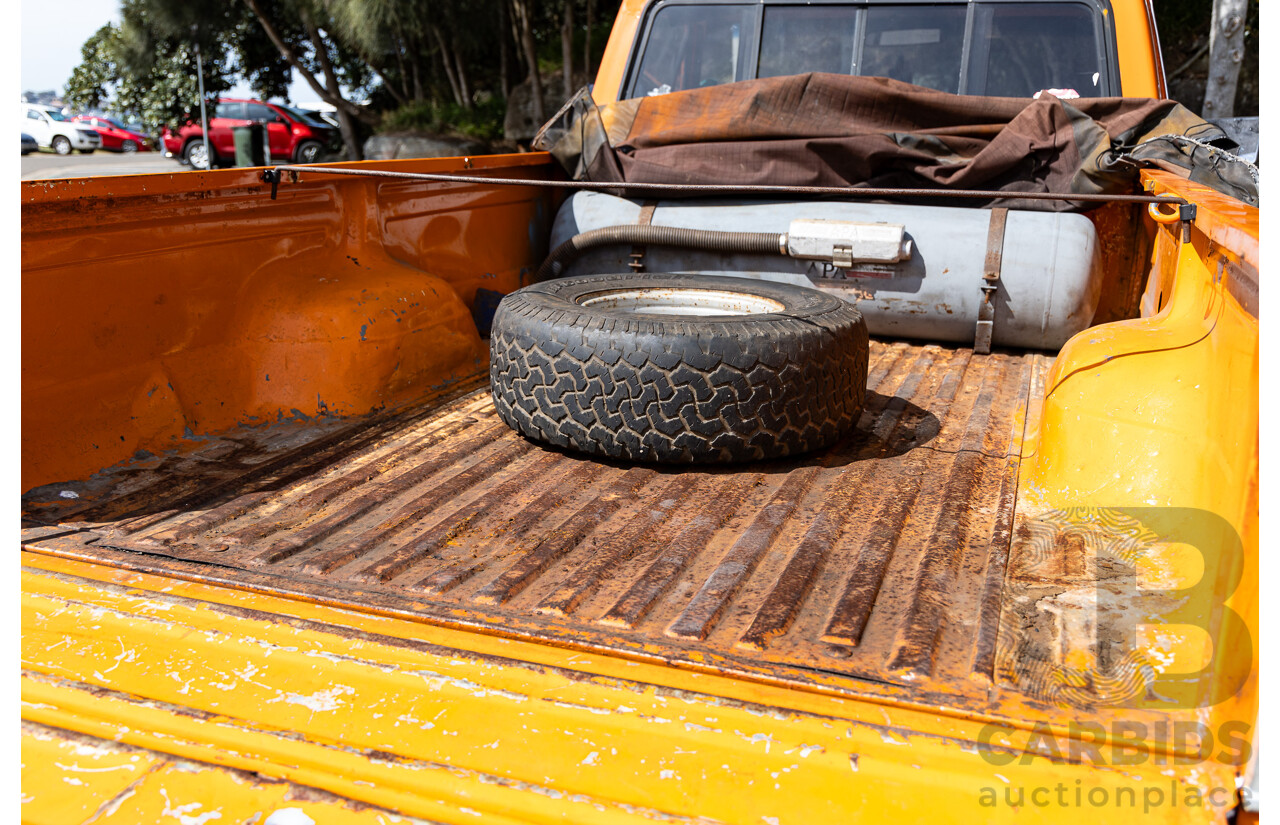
638 250
986 325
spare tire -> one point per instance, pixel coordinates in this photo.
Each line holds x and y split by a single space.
678 368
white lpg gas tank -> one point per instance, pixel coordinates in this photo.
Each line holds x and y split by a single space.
1050 272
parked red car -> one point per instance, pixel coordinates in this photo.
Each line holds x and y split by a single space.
116 137
293 136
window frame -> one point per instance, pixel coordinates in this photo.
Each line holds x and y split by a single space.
1104 33
272 115
640 43
239 115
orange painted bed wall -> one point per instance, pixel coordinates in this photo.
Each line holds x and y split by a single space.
158 308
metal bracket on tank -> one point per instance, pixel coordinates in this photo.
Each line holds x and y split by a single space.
637 252
986 326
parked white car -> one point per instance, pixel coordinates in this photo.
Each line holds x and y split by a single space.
54 130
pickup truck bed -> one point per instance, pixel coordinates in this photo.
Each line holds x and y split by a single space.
880 560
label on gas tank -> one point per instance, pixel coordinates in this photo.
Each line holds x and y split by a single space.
831 272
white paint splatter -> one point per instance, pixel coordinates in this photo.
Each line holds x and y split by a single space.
593 758
77 769
247 673
186 813
289 816
318 701
761 737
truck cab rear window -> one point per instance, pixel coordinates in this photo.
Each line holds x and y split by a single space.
1026 47
1013 49
921 45
690 47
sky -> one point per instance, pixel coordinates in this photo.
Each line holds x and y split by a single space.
53 32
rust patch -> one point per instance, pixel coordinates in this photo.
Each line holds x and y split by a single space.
1071 609
880 558
1124 242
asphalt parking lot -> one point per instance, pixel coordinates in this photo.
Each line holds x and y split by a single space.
44 165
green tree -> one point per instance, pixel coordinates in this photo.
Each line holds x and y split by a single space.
393 37
147 77
417 55
145 65
91 82
1184 27
302 32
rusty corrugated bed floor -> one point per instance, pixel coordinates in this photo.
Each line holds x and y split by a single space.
881 559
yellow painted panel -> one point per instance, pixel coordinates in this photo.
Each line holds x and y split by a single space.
182 793
98 588
1162 412
71 778
430 731
67 780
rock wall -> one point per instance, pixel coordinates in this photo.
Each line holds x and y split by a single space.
391 147
520 124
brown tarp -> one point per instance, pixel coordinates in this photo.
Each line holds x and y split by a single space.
837 130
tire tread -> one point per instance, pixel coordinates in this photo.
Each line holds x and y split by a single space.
762 387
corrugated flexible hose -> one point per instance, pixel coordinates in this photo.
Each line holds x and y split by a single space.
757 243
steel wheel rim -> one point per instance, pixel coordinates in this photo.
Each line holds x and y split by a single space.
677 301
